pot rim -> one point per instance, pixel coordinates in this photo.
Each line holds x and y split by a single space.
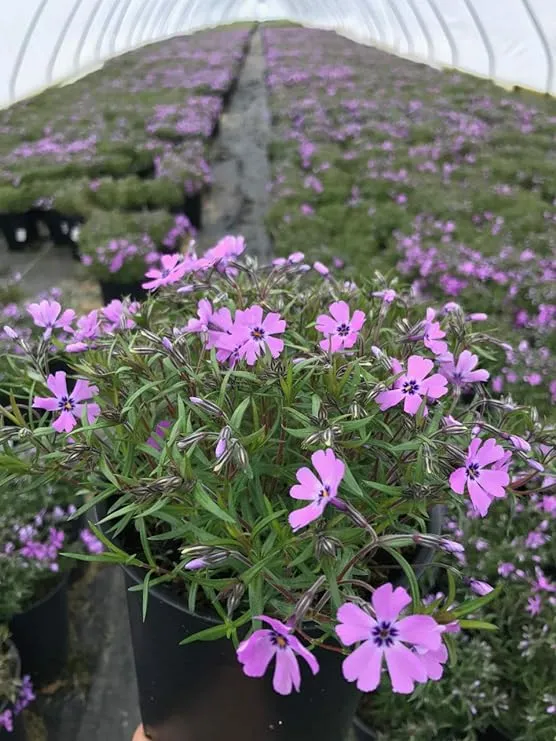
424 556
62 582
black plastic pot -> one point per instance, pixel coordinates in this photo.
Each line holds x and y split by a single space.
41 635
62 229
198 692
362 730
112 290
192 208
16 231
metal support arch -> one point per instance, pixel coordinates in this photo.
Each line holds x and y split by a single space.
105 27
133 24
170 29
402 24
484 36
545 44
145 18
60 41
117 26
84 34
424 28
451 41
23 48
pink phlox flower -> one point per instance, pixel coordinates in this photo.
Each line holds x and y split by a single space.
256 333
414 386
321 268
542 583
462 372
534 605
341 331
204 317
388 296
172 270
433 334
482 588
88 328
388 637
69 405
279 643
319 491
48 314
117 315
224 252
483 484
433 661
157 438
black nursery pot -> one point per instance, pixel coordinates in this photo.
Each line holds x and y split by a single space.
112 290
41 635
61 229
192 208
16 230
198 692
362 730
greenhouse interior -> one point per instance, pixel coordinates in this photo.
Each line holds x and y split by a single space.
278 370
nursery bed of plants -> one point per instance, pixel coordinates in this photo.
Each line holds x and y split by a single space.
136 135
444 178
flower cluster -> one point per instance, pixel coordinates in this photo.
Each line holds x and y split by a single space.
16 693
209 426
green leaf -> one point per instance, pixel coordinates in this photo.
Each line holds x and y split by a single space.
472 605
351 484
145 594
209 634
477 625
266 521
409 575
237 416
205 501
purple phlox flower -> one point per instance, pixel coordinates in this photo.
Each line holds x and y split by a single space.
224 252
172 270
433 661
293 259
204 314
433 334
480 587
462 372
340 330
116 315
541 583
534 605
48 314
389 637
520 444
505 569
413 386
483 484
276 642
157 438
88 328
319 491
69 406
256 333
388 295
91 542
320 268
535 539
6 720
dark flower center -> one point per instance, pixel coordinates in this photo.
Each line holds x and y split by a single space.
410 387
324 493
279 640
165 273
66 403
257 333
384 634
472 471
343 330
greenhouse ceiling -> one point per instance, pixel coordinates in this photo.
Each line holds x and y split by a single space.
45 42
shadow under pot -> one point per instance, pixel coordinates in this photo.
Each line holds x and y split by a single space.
199 692
113 290
192 208
41 634
18 731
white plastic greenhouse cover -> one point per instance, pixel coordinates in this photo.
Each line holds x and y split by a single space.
49 41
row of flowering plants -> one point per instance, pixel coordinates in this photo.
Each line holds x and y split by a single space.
442 176
270 442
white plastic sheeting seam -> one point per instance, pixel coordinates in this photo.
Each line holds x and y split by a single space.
512 41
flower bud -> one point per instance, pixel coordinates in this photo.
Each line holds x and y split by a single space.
186 442
327 546
305 602
111 414
327 437
204 557
239 456
356 411
235 596
207 406
314 439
